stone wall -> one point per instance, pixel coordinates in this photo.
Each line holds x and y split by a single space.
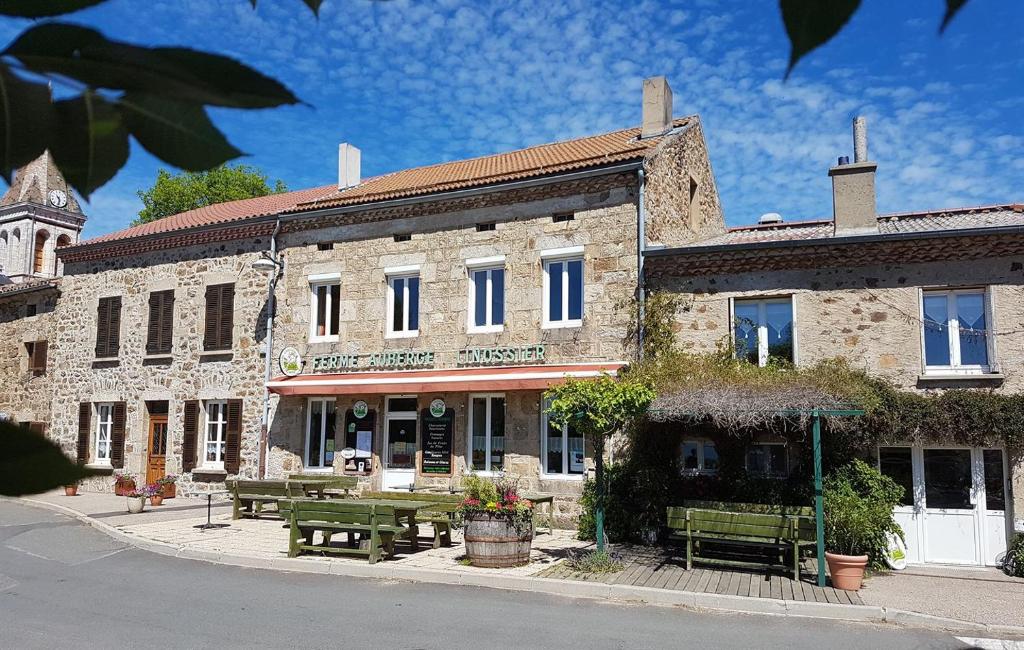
26 396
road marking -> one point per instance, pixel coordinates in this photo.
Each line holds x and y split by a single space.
51 559
991 644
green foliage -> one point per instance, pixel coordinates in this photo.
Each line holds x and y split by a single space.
859 501
498 498
176 193
594 562
599 407
660 320
1013 561
30 463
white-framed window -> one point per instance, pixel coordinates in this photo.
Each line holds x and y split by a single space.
955 331
214 430
698 457
320 432
104 427
563 452
486 295
763 330
563 287
324 307
768 459
486 432
403 312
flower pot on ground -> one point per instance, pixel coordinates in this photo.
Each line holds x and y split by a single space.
497 523
136 503
71 490
124 483
167 486
155 492
847 571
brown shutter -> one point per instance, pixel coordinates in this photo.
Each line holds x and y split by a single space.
233 437
167 323
37 427
188 441
84 424
227 315
211 330
117 437
114 336
102 327
161 318
39 357
108 326
153 326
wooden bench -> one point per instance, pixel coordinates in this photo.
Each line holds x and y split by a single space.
309 516
439 515
754 530
759 508
250 496
336 485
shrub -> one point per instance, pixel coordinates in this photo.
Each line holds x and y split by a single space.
1013 561
594 562
859 501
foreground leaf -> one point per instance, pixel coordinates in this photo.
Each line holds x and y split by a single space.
31 463
314 5
89 142
43 8
812 23
177 132
25 119
188 75
952 7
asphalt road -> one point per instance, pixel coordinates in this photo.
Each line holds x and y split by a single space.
64 584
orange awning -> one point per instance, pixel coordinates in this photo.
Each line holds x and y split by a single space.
449 380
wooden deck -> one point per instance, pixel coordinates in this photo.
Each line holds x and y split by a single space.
655 567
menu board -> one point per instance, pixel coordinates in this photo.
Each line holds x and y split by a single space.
359 436
437 442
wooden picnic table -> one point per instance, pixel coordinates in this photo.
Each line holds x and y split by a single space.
537 499
405 512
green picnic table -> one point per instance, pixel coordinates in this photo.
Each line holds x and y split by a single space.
537 499
404 512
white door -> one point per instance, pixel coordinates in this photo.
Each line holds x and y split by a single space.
400 443
950 506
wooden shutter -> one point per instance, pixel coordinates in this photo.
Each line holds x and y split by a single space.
161 319
108 326
233 437
84 425
227 315
37 427
114 339
102 327
211 331
39 357
188 442
117 437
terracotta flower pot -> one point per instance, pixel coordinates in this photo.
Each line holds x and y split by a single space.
167 490
136 504
847 570
156 499
70 490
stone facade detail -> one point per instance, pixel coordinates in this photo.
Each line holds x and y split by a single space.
26 396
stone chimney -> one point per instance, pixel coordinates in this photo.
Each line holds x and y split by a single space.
348 166
853 187
657 117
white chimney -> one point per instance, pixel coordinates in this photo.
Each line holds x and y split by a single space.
860 139
348 166
853 187
770 217
657 114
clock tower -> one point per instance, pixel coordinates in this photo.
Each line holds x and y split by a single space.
38 214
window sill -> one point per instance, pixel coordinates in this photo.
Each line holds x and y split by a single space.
100 469
402 335
567 325
318 470
495 329
573 478
106 362
208 474
324 339
157 358
216 355
961 376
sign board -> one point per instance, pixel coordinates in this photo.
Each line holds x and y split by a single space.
348 453
513 355
437 442
359 409
290 361
437 407
374 361
497 355
359 440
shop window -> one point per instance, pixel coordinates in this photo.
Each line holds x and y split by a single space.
325 308
220 313
955 331
896 463
403 312
563 291
104 430
562 447
948 479
486 299
320 433
768 459
698 457
214 433
487 433
763 330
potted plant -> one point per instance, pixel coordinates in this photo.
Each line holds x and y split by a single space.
156 494
71 490
497 523
137 499
124 483
859 502
167 485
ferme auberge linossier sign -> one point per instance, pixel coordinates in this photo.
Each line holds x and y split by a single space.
399 359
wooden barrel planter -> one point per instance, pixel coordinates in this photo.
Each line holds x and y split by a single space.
495 542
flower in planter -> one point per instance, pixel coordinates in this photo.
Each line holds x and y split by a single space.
169 479
496 499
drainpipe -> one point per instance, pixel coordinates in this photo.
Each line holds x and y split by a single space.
265 419
641 245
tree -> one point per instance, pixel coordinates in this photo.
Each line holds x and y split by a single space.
30 463
599 408
175 193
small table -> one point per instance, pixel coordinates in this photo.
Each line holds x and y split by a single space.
209 506
538 499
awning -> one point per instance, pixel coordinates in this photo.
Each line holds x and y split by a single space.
446 380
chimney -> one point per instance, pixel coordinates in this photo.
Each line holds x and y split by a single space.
657 116
348 166
853 187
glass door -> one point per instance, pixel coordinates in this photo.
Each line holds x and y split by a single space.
400 443
994 523
950 506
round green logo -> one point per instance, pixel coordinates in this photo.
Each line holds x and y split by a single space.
437 408
359 409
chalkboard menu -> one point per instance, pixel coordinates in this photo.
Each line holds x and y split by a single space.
437 442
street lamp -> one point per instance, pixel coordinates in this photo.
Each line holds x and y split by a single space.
272 268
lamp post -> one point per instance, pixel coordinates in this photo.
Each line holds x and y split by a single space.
269 265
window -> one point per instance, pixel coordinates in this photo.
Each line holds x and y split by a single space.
161 322
31 309
216 425
401 238
486 297
763 330
36 357
104 430
39 254
698 457
220 311
325 246
485 227
563 291
562 218
563 450
768 459
403 305
487 433
324 308
955 331
320 433
896 463
995 490
108 327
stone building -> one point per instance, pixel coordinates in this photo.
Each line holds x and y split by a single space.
930 300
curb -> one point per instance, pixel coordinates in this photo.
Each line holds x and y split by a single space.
549 586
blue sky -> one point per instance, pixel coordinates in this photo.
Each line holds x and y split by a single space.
418 82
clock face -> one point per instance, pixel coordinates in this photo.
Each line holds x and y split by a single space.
58 198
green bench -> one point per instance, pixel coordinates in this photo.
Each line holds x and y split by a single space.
328 517
249 497
759 508
439 515
336 485
778 532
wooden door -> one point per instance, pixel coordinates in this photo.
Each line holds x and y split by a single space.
157 448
